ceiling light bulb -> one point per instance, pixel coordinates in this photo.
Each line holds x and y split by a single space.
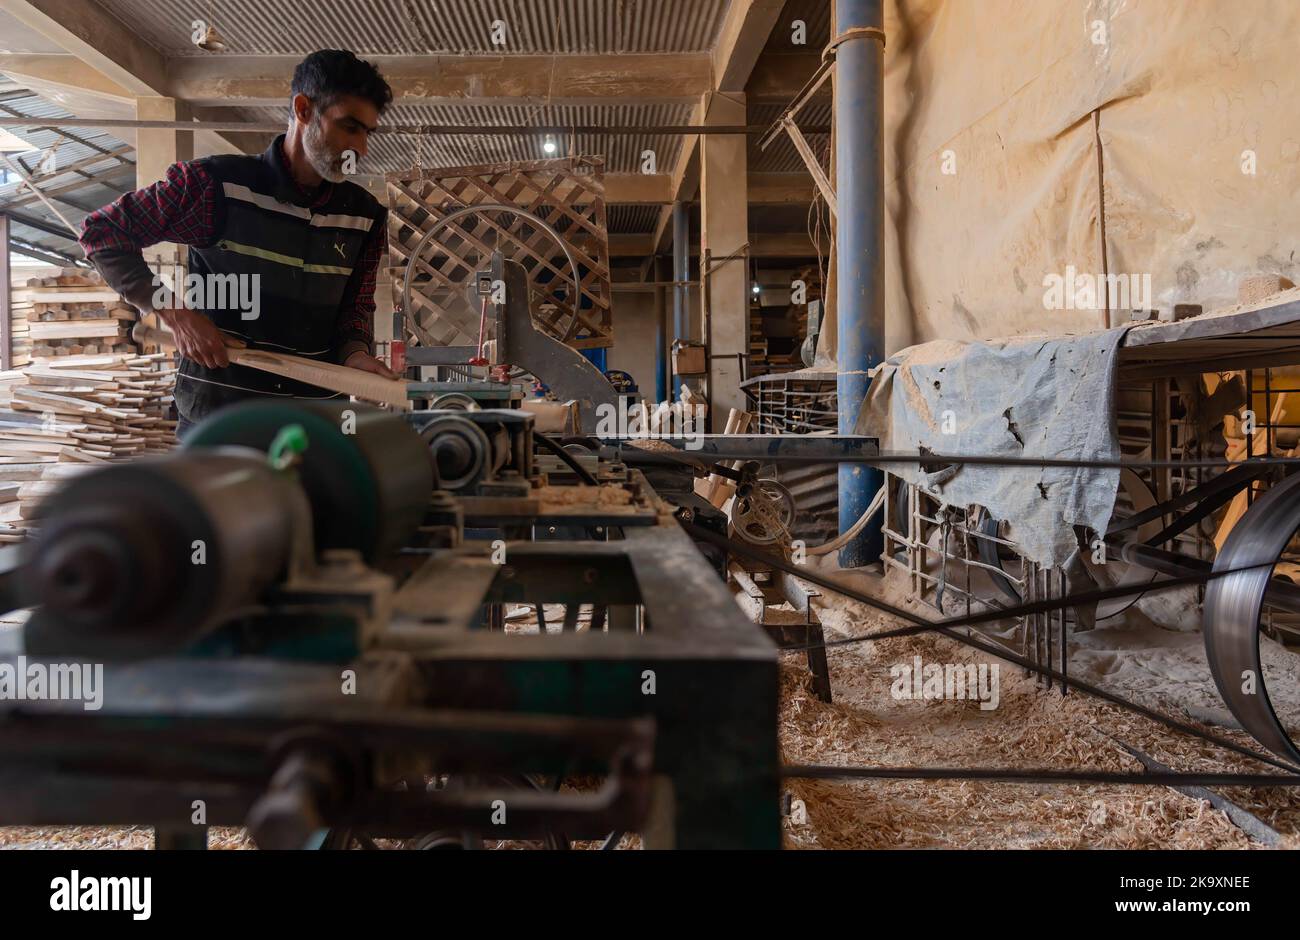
549 146
212 41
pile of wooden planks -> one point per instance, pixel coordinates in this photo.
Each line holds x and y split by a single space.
73 314
77 411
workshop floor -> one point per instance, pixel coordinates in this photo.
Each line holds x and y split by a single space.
1029 728
866 725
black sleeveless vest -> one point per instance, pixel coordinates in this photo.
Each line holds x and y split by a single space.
305 256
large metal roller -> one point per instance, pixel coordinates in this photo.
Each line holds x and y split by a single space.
143 559
1232 611
366 472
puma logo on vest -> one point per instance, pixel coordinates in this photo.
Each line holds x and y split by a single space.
338 246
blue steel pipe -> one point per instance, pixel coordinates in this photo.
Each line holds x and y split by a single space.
860 280
681 274
661 340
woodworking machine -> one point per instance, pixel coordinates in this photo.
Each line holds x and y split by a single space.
517 341
300 619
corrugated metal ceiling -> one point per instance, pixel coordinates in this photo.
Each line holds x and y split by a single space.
418 27
816 32
622 152
631 220
73 203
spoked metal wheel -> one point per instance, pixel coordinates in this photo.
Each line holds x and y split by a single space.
447 281
764 516
1134 496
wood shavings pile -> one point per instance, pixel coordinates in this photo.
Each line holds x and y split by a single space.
604 497
100 837
1029 728
653 445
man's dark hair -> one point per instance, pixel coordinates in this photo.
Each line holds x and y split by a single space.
328 75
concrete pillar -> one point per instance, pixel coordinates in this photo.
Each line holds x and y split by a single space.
860 269
156 150
724 231
6 306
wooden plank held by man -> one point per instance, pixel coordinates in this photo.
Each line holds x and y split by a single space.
363 385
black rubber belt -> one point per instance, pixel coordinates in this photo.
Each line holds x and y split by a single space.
946 627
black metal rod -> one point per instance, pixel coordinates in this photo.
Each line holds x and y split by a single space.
1281 594
1049 619
712 447
946 627
1065 645
567 458
1036 775
1193 516
1233 480
442 130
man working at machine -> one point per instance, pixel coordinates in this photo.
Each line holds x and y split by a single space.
286 221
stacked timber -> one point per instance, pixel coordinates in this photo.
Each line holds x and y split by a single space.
71 413
757 342
73 314
20 342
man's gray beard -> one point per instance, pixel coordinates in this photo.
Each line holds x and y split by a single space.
323 160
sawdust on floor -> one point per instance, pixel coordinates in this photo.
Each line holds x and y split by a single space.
1029 728
107 837
867 726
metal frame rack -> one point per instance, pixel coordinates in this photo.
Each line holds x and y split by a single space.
913 519
802 403
794 402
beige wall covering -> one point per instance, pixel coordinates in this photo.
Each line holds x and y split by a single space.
1016 97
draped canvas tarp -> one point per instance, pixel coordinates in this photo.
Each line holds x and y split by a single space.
1190 104
1030 397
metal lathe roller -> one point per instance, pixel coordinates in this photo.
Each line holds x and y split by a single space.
474 451
146 558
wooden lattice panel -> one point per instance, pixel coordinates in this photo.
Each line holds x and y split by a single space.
569 194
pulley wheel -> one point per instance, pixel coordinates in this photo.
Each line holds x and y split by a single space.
989 554
460 450
366 472
764 516
454 401
1232 610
